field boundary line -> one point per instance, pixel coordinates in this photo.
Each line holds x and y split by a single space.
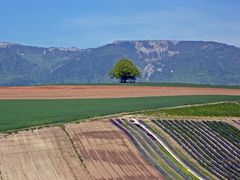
79 157
1 177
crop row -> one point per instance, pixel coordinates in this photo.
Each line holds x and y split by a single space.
175 151
130 134
151 150
213 151
226 130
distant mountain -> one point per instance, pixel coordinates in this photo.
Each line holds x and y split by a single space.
159 61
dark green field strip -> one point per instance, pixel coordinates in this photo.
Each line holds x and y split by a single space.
148 84
17 114
222 109
184 85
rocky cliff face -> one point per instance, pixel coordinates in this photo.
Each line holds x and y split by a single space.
154 51
151 51
159 61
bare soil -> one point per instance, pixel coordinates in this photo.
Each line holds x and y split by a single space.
42 154
108 153
89 150
101 91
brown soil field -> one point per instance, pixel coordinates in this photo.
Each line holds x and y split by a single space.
42 154
89 150
101 91
107 152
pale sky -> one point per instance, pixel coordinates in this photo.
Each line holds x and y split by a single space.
91 23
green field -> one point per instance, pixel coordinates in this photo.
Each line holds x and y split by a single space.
150 84
17 114
222 109
181 85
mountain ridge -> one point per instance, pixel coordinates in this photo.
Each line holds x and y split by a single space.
169 61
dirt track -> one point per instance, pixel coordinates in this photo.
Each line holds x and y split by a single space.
85 92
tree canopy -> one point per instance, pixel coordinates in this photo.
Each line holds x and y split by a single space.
125 70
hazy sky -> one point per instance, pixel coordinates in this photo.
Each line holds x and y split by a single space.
91 23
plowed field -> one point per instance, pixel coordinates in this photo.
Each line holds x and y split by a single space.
108 153
100 91
41 154
92 150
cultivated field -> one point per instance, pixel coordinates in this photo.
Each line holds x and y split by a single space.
108 154
226 109
155 151
117 149
207 149
17 114
42 154
92 150
215 145
106 91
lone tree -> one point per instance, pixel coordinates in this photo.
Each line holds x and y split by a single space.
125 70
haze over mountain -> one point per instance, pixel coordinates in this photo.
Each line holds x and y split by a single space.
158 60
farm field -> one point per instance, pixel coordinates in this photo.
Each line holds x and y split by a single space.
90 150
228 109
208 144
155 152
42 154
17 114
210 149
116 149
107 91
120 149
107 153
174 85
